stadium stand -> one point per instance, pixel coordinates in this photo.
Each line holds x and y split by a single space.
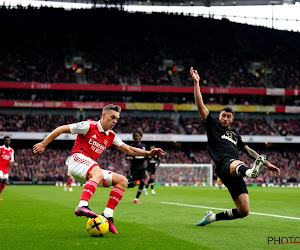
159 56
151 124
156 51
50 166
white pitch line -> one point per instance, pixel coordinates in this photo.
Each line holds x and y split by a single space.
271 215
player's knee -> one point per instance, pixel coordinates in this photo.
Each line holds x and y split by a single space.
123 181
97 176
244 212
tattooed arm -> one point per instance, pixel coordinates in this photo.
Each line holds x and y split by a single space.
250 152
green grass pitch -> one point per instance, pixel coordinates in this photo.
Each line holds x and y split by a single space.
42 217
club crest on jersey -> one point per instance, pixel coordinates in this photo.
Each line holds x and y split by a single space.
229 134
105 142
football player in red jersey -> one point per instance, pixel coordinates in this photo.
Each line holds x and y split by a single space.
7 158
93 137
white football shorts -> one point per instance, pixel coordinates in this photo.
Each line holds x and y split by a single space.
3 176
80 165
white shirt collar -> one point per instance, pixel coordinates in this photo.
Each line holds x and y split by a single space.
100 129
6 147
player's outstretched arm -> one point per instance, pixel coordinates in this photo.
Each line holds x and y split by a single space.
40 147
253 155
203 111
133 151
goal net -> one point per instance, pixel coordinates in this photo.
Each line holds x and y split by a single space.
176 174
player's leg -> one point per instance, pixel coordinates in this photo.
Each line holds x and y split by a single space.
2 186
95 176
69 183
140 190
151 183
133 179
239 168
116 194
3 179
239 193
146 184
131 184
83 168
141 177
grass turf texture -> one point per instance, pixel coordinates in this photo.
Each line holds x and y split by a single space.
42 217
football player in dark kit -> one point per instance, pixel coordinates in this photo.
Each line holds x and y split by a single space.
137 166
223 146
153 163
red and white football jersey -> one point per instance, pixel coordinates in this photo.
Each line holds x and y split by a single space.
92 140
6 156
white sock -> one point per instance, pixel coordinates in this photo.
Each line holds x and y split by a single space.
212 218
108 212
136 199
83 204
248 172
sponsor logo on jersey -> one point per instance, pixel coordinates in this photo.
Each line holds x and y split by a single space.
6 157
94 136
96 146
226 137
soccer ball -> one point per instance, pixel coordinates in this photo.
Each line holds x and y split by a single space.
98 226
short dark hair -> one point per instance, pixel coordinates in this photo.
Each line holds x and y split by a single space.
6 137
112 107
228 109
137 132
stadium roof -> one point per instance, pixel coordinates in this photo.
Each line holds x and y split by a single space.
183 2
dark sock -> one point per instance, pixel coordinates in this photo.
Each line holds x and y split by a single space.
231 214
141 186
138 194
241 169
130 185
149 183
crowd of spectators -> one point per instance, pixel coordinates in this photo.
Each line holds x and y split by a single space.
142 49
150 124
48 122
287 127
51 166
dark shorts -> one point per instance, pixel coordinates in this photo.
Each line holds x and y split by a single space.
137 174
235 185
151 171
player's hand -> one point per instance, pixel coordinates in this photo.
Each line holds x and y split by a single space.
39 148
195 76
157 151
274 169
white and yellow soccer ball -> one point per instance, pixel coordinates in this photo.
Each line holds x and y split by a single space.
98 226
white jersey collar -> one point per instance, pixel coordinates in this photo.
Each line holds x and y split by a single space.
100 129
7 148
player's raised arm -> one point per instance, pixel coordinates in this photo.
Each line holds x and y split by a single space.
133 151
203 111
40 147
